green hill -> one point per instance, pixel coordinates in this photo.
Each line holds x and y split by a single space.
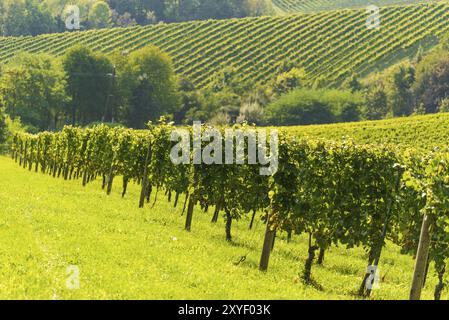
329 44
322 5
425 132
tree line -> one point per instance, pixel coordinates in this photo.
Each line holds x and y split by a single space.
33 17
84 87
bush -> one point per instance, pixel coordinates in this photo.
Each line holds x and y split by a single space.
288 81
432 80
311 106
8 128
443 106
3 129
251 112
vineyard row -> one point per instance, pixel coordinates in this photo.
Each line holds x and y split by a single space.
338 193
329 45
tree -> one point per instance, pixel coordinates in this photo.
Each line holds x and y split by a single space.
125 20
184 10
32 17
230 80
2 17
432 80
100 15
258 7
63 9
287 81
311 106
192 100
401 80
90 79
27 17
353 83
443 106
142 11
32 88
376 106
149 85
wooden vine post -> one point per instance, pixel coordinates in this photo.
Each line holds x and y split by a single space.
421 259
110 178
267 245
189 215
143 192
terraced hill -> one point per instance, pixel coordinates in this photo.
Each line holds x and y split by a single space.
321 5
330 44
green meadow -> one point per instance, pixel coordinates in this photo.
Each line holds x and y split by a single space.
122 252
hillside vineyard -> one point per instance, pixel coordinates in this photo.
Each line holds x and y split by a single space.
321 5
425 133
343 194
329 45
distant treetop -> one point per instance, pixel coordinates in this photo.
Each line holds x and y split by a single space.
33 17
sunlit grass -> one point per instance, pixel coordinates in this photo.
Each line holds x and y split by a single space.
122 252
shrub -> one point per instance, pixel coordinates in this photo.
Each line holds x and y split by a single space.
311 106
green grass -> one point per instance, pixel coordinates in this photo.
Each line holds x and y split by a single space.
122 252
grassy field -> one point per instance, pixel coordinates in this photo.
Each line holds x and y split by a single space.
122 252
